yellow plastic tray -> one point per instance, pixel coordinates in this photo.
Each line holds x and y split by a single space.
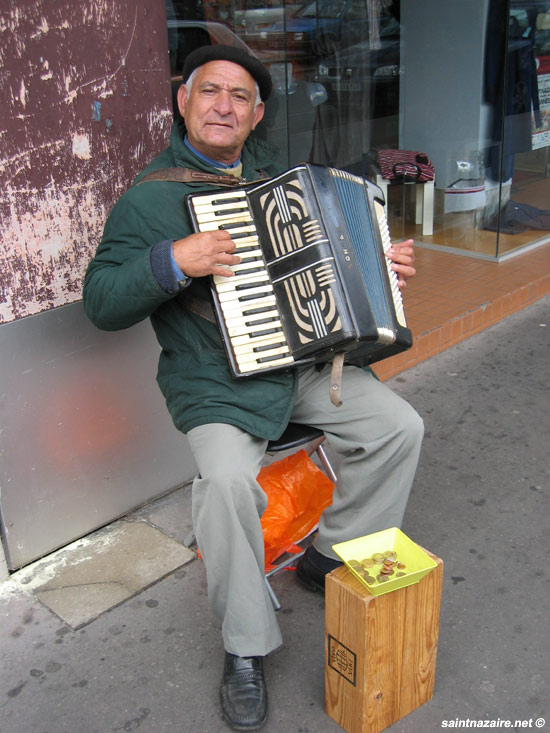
417 562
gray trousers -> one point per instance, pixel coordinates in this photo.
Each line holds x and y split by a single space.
378 436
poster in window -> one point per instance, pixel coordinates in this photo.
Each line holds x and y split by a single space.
541 133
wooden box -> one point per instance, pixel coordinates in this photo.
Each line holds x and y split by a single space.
380 650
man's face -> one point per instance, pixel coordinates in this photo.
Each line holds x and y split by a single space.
219 111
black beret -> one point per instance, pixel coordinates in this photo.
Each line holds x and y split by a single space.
219 52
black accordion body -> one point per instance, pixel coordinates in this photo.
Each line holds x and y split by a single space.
313 279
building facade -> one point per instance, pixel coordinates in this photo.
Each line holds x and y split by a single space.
87 89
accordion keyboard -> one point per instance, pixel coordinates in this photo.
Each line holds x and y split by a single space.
247 300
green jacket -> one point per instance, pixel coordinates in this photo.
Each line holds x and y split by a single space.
131 278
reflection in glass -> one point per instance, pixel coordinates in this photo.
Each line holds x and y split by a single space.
467 83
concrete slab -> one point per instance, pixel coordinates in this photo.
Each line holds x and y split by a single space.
94 574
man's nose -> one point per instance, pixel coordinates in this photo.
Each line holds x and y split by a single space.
223 102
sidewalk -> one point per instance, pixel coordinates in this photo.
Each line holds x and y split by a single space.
453 297
153 662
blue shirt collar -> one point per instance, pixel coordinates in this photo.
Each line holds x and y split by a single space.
214 163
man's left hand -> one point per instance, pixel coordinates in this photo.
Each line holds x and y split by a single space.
402 257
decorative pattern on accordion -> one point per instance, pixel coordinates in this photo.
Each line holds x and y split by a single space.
309 290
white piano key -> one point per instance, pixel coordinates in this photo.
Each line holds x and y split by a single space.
237 318
251 367
218 196
255 330
238 230
244 344
214 207
234 308
241 268
236 198
251 335
238 282
228 217
243 324
247 248
262 357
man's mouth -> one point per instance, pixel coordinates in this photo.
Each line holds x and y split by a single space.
218 124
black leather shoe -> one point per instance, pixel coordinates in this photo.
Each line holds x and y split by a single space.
310 575
243 692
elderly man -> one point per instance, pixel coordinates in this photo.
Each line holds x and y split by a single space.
150 264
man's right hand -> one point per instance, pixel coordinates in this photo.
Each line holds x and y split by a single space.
206 253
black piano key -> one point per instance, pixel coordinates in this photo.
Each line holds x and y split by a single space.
265 332
254 296
255 311
254 284
235 225
247 270
268 347
222 212
261 321
228 200
239 235
250 248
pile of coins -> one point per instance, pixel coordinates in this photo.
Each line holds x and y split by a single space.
383 565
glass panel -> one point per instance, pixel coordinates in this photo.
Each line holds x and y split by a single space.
524 206
484 130
352 77
335 65
443 116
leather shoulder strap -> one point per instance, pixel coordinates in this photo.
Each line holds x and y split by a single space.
188 175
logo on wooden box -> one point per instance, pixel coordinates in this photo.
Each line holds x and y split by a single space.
342 659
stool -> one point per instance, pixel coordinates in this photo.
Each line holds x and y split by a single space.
295 436
424 205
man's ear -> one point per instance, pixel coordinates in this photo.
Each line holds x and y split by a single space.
182 98
258 114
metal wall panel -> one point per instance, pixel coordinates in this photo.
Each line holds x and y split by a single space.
86 436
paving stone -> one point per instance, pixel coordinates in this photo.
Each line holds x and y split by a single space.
100 571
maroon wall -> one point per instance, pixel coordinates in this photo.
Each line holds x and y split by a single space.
85 99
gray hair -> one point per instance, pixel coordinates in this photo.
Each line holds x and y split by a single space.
193 76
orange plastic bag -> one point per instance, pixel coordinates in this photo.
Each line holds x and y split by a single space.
297 493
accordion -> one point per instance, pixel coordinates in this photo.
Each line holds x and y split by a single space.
313 280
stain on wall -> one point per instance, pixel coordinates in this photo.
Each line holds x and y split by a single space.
85 94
